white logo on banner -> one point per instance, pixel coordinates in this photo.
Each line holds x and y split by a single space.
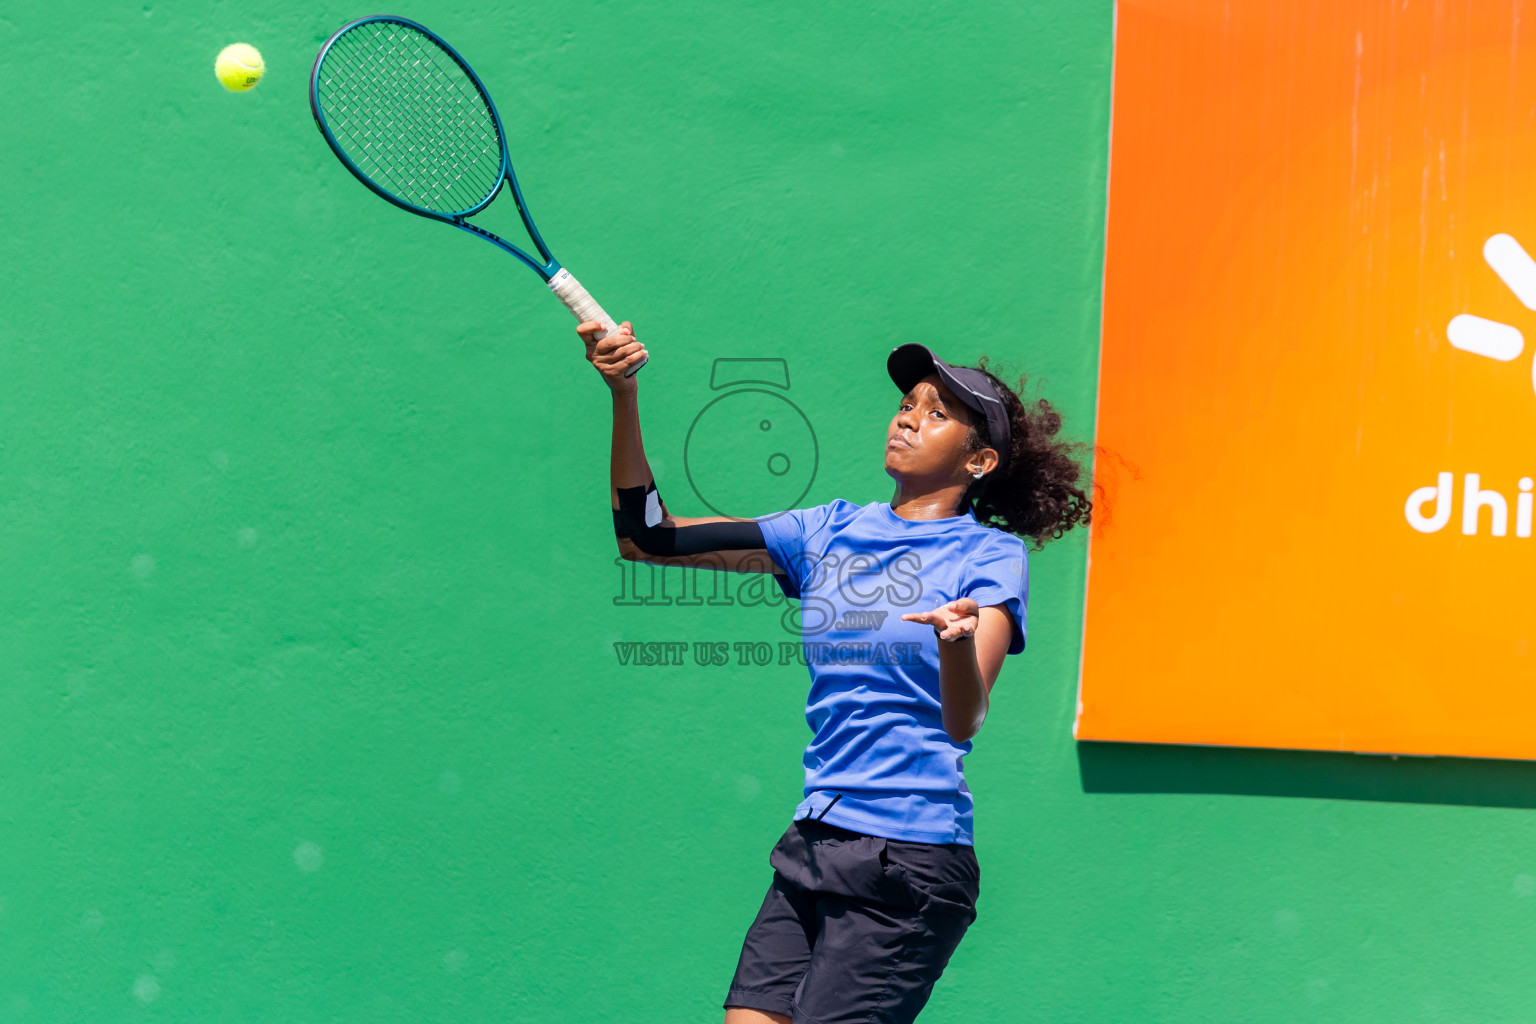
1489 337
1494 340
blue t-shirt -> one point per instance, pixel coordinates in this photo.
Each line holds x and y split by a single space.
880 762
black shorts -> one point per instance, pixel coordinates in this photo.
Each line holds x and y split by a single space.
855 928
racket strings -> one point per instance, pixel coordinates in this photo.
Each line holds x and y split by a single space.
412 135
417 167
410 117
422 119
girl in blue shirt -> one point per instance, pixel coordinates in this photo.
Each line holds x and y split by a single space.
908 608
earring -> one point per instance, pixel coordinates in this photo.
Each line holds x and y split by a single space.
976 475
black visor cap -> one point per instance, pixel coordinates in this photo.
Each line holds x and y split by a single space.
910 363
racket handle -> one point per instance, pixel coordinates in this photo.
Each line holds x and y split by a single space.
585 307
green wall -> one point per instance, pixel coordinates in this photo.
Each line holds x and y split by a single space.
310 710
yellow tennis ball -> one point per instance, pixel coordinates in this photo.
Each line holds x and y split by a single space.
239 67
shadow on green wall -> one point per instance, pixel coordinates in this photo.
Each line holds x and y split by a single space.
1168 768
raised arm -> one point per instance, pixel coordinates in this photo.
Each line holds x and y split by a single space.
714 542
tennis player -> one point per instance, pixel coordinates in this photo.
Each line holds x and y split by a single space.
876 879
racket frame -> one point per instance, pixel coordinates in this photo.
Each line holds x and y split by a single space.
566 287
549 266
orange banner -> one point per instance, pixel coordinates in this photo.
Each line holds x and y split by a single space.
1317 394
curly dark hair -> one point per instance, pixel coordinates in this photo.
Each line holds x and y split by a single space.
1037 495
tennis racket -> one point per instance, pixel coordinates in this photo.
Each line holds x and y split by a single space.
409 117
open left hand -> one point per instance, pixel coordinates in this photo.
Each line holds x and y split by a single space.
951 620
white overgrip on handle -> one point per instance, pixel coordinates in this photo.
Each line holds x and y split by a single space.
585 307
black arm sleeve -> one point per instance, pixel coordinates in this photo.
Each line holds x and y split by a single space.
638 518
699 538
